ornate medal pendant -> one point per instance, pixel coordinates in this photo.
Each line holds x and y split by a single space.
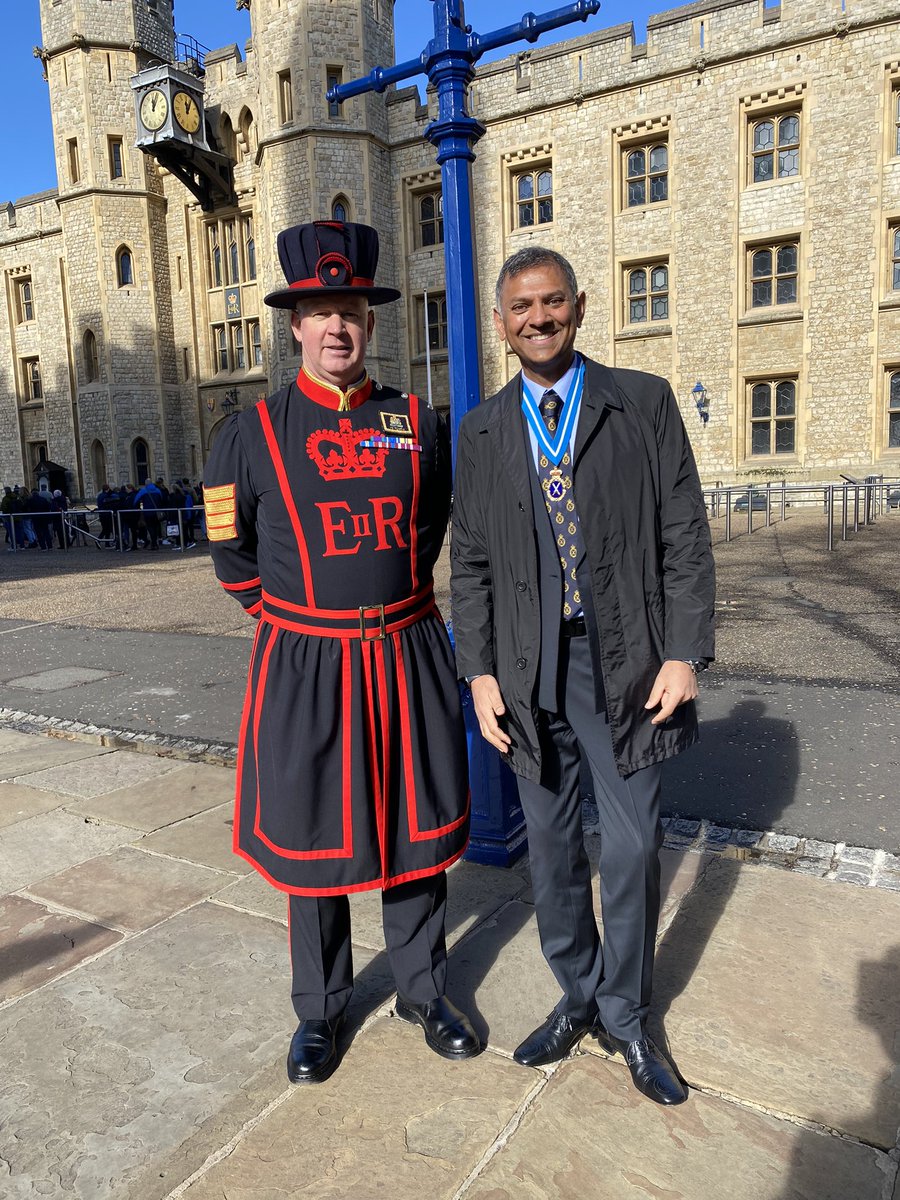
556 485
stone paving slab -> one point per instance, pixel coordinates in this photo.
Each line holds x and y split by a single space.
100 774
37 753
37 945
204 839
396 1120
18 802
10 739
182 791
590 1136
51 842
58 679
112 1070
499 961
785 990
129 888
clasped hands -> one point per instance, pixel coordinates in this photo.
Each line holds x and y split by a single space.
674 684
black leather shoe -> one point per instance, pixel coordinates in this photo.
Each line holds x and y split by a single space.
447 1031
313 1054
551 1041
651 1072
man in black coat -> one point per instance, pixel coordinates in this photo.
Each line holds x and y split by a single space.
583 589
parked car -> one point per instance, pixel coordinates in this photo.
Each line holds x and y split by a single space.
893 500
756 500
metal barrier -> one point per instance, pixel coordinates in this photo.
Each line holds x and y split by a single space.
861 502
173 528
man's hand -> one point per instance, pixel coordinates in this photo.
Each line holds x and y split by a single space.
675 683
488 707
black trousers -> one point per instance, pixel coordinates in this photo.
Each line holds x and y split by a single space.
614 977
321 953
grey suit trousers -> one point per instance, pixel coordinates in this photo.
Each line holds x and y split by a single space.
613 978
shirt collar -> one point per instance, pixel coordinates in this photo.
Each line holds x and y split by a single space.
562 387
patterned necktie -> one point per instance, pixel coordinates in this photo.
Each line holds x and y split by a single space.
556 484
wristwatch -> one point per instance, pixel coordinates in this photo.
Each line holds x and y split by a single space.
696 664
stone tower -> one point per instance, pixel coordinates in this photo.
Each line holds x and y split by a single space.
113 391
317 159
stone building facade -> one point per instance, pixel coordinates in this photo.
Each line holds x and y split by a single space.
729 192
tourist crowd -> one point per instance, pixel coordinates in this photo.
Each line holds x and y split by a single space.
130 518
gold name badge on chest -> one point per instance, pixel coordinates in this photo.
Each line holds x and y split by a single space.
556 485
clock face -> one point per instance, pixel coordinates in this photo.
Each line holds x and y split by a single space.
154 109
187 114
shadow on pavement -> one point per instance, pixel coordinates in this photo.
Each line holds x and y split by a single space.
810 1179
771 743
374 984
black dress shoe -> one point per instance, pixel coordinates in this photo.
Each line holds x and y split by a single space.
313 1054
447 1031
651 1071
551 1041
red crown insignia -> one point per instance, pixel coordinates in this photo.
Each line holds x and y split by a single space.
337 455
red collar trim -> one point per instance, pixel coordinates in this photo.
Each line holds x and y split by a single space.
330 396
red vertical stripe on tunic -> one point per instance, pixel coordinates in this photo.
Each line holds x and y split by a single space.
414 504
257 713
385 748
278 463
347 742
412 815
377 794
242 737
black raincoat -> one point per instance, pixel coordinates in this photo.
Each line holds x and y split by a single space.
648 553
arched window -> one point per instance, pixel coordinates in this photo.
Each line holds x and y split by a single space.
234 262
249 245
140 461
894 411
340 209
98 463
124 267
91 357
775 148
648 284
214 255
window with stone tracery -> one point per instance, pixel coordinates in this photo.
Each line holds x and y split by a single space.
775 147
532 197
646 174
772 274
647 293
773 417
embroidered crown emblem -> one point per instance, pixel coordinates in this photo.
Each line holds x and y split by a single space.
340 455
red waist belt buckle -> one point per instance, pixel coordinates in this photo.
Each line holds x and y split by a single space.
369 612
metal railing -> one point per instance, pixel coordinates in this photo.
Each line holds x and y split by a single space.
110 529
855 503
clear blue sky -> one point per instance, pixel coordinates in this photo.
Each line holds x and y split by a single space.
26 161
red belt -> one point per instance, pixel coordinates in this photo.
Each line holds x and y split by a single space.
368 623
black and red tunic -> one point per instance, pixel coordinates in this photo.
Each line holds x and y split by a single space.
326 524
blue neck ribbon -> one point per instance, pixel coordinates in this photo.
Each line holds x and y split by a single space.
556 447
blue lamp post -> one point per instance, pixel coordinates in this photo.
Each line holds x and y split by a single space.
449 62
498 826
